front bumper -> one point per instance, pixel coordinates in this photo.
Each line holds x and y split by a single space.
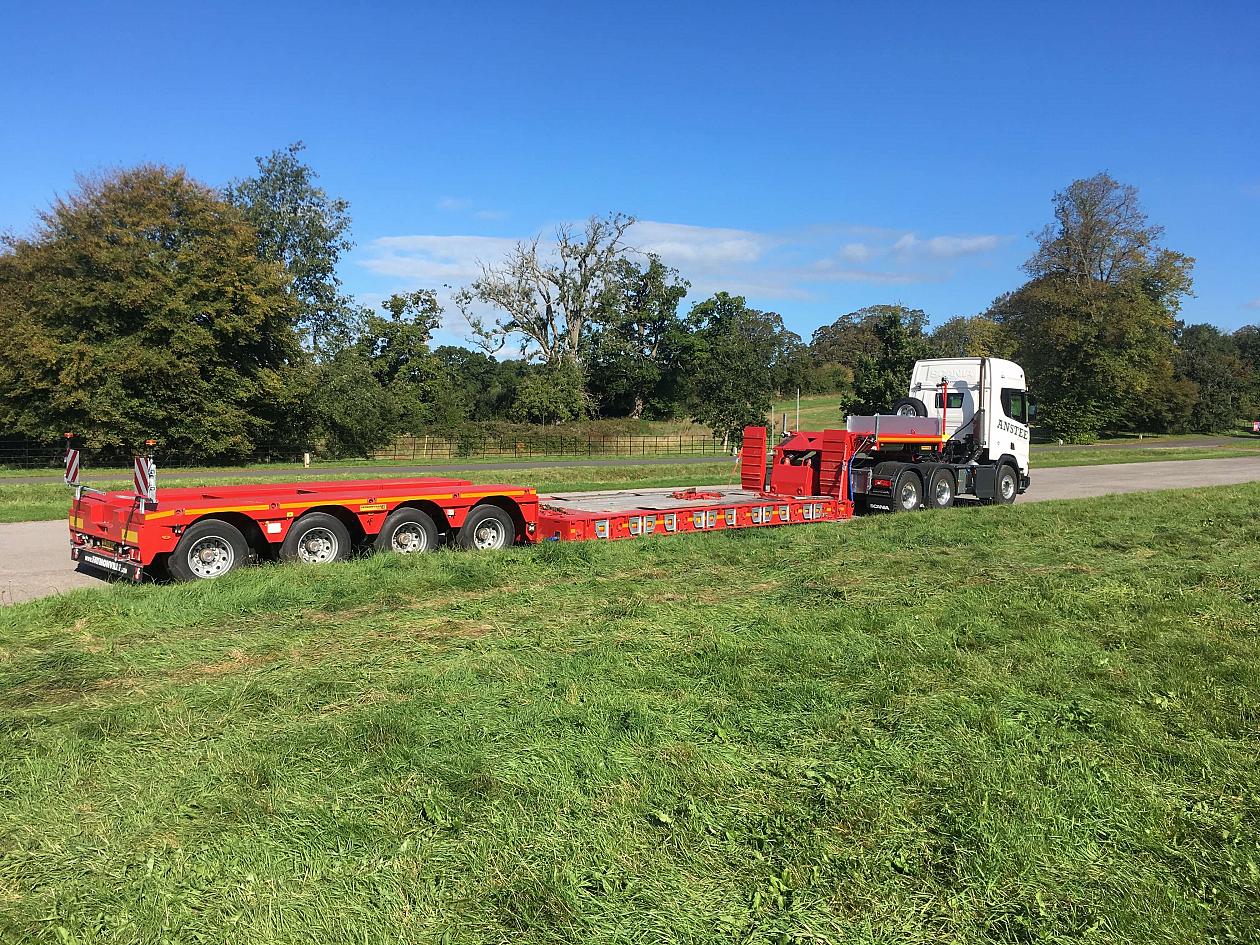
109 561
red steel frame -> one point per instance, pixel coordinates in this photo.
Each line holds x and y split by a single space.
807 482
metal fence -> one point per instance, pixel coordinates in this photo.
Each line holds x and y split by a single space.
417 448
404 449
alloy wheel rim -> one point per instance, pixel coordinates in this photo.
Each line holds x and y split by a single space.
409 538
318 546
909 496
210 557
488 535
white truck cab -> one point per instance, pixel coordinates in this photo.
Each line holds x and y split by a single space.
984 397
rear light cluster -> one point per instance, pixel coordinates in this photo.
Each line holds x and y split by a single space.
882 483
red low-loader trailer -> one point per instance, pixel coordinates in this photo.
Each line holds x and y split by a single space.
202 533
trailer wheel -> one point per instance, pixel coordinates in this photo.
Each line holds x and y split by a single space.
1007 485
316 538
907 492
208 549
487 527
940 494
407 531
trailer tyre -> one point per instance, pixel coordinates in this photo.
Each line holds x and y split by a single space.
487 527
316 538
407 532
908 407
907 492
940 493
208 549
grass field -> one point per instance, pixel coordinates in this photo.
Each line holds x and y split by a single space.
1007 724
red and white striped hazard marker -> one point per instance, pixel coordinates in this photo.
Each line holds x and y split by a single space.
72 467
145 478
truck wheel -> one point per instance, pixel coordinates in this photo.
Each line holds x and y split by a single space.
1007 485
907 492
316 538
407 532
487 527
940 494
908 407
208 549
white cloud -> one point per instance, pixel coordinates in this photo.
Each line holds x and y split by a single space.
453 203
761 265
855 252
428 260
682 245
946 247
1254 303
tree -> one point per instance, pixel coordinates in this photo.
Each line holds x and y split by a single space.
1094 326
626 364
549 300
1100 234
727 363
488 386
1247 342
550 394
1209 359
881 372
974 336
422 392
306 231
139 307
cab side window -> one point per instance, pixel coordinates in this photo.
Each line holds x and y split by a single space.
1015 404
955 400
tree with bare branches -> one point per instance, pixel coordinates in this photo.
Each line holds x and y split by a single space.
548 297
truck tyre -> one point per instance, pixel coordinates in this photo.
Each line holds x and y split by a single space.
407 532
487 527
208 549
1007 485
907 495
908 407
941 487
316 538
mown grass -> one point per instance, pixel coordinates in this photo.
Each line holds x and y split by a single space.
29 502
1024 724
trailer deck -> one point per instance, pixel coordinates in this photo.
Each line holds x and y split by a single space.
579 516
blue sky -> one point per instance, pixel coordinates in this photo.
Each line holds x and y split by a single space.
814 157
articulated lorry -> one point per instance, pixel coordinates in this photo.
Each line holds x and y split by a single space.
961 431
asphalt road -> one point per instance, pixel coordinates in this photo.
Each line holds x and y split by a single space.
35 558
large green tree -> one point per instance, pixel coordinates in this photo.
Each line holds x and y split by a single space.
304 229
1094 326
626 368
139 307
1209 359
971 336
727 362
396 349
881 372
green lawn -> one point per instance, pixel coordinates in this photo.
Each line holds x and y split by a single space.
1004 724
